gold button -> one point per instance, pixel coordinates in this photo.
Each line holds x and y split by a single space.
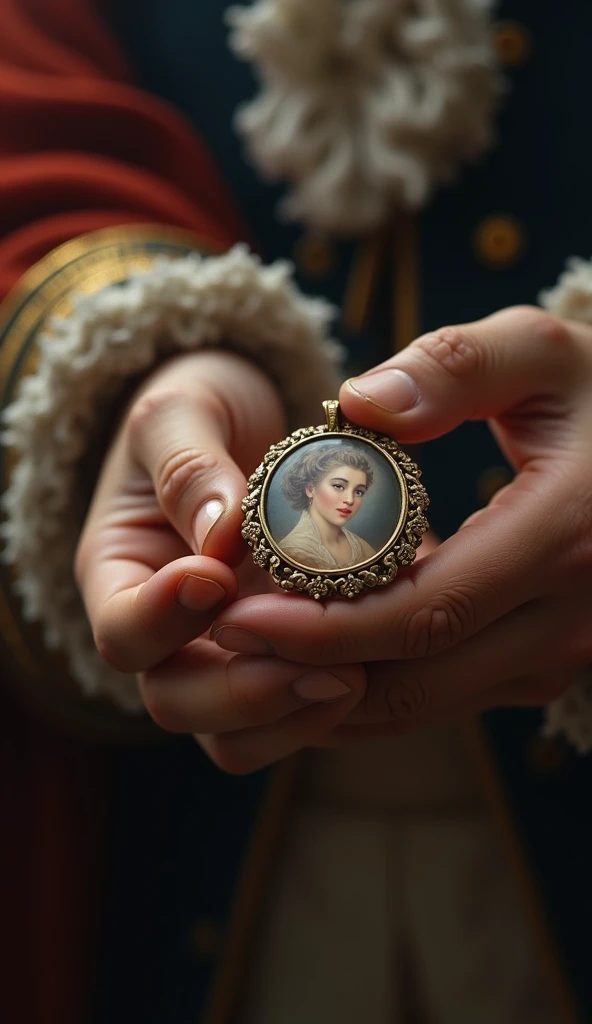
546 757
315 256
491 481
499 241
206 939
512 43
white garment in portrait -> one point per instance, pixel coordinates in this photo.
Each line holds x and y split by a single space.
304 545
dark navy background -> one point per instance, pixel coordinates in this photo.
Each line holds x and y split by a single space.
180 825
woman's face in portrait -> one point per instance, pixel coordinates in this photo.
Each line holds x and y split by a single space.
338 495
351 493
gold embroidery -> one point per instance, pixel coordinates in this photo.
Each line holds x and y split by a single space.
500 241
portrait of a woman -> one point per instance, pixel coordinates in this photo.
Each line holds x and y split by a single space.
327 486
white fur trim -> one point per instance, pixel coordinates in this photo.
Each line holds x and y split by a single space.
365 105
177 305
571 298
571 714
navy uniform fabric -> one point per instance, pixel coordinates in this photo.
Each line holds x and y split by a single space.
182 840
178 834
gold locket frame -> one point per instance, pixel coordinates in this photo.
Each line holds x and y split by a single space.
378 571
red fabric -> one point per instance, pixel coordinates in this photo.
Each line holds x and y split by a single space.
80 148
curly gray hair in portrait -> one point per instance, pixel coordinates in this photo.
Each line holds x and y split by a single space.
313 464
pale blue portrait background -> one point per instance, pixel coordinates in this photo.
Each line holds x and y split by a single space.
378 517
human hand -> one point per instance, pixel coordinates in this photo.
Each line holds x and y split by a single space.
154 559
499 614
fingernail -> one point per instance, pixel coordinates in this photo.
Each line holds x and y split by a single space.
319 686
196 594
241 641
205 519
391 390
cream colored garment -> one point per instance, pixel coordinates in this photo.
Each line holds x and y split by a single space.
393 903
304 545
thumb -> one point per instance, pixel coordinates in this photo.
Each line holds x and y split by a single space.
471 372
180 440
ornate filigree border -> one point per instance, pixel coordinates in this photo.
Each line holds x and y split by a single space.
400 551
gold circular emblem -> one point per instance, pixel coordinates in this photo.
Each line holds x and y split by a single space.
334 510
512 43
499 241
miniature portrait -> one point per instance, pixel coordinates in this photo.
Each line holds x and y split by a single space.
333 504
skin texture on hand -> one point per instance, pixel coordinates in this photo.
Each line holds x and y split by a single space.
496 615
156 561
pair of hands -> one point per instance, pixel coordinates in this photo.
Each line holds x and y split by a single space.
498 615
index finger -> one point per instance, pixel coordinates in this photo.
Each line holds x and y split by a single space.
490 567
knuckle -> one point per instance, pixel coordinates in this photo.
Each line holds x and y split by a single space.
455 350
338 640
329 646
246 702
439 625
525 312
334 648
542 327
182 470
152 406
